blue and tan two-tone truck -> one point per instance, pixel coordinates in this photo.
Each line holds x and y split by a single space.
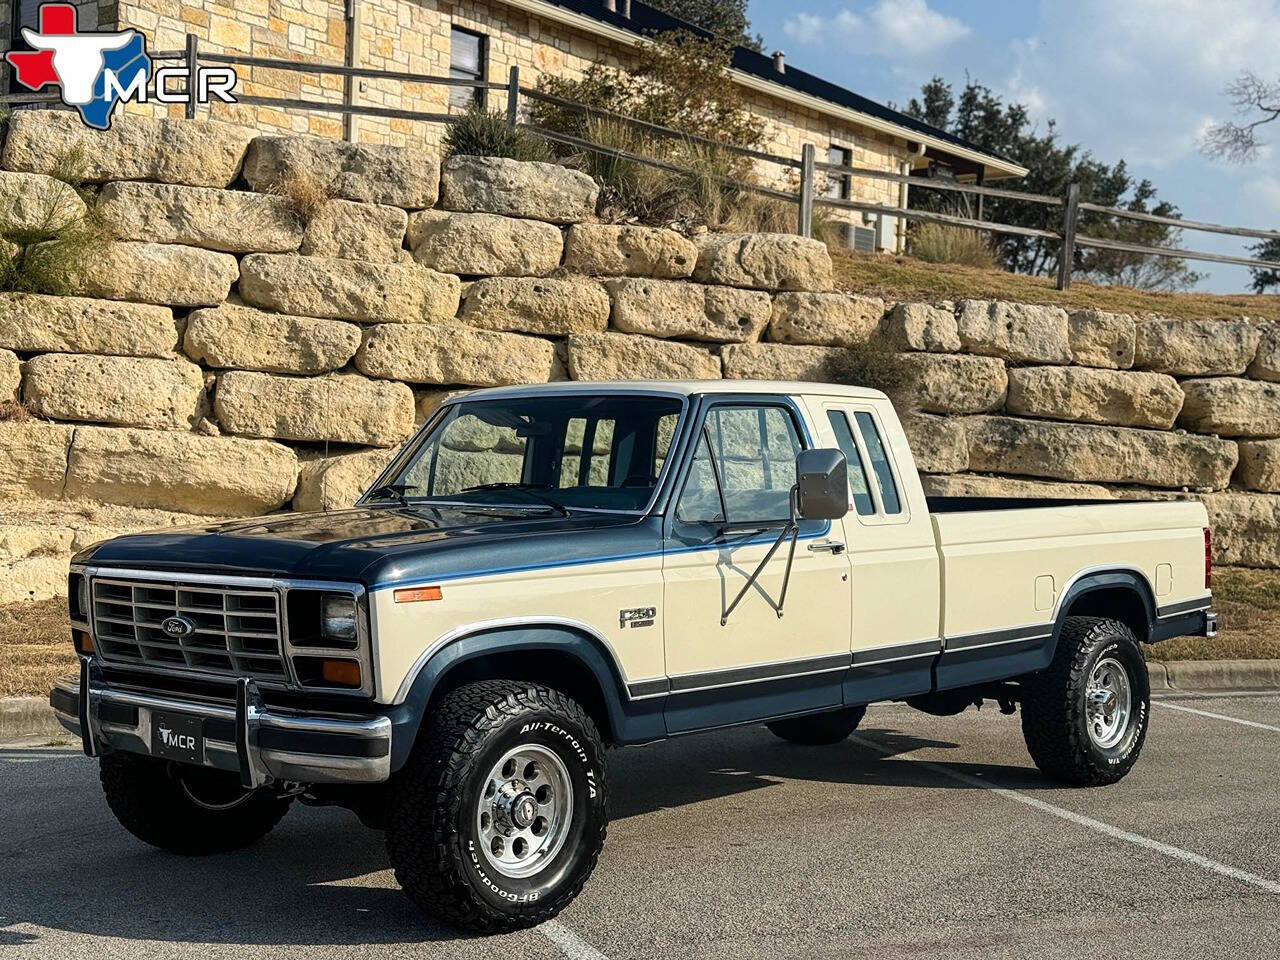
544 572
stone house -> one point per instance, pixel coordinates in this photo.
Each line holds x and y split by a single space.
484 38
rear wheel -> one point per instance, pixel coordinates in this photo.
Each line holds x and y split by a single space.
500 815
1084 718
186 809
819 729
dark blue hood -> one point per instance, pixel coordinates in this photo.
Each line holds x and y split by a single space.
384 544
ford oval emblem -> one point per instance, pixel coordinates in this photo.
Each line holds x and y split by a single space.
177 627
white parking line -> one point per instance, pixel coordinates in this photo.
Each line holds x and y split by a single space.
1176 853
1217 716
574 947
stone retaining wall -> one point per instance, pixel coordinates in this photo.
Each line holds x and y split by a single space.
234 351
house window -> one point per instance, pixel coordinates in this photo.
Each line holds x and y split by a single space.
26 14
467 55
838 184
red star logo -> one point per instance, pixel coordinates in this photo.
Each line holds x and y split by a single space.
34 69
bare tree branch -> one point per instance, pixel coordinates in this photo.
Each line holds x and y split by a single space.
1256 102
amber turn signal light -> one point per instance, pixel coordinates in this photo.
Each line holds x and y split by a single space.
83 642
340 673
418 594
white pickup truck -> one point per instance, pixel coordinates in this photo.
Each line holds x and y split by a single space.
542 572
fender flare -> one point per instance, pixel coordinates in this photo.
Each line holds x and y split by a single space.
1128 579
576 641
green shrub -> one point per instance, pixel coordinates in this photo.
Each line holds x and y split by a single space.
488 134
680 81
876 363
42 256
941 243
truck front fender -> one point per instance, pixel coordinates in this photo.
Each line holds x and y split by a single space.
565 655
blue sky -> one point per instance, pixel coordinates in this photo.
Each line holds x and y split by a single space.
1137 79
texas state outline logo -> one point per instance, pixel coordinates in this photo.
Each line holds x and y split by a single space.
94 70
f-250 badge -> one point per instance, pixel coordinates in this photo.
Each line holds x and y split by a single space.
637 617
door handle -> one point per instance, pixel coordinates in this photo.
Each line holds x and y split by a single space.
835 546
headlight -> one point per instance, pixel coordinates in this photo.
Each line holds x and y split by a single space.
338 619
78 595
324 619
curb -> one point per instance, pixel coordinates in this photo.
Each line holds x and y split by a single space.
1203 675
22 718
25 717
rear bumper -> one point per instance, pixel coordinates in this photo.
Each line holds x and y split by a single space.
263 747
1191 623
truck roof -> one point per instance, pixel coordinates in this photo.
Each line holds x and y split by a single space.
678 387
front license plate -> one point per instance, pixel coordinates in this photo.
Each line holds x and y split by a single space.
175 736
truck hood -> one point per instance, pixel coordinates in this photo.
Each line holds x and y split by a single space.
382 544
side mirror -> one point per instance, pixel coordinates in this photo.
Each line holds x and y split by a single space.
822 484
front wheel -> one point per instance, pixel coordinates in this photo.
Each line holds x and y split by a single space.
1084 718
186 809
499 817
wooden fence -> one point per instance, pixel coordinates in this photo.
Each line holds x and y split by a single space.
808 168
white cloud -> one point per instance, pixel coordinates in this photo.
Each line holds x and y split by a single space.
888 28
804 28
913 26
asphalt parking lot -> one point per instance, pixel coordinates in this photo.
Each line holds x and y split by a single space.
921 836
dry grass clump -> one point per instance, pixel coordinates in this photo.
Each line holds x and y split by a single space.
14 411
484 133
35 647
939 243
1248 605
875 363
305 191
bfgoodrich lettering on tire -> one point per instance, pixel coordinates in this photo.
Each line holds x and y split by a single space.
1084 718
498 818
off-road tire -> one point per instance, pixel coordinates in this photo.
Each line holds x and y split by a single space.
150 800
819 729
1054 717
431 829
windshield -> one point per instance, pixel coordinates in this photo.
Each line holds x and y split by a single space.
543 452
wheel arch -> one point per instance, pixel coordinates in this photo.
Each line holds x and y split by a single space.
568 656
1121 593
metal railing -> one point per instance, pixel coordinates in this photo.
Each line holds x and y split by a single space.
806 197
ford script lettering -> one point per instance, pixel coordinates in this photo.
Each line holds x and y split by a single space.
177 627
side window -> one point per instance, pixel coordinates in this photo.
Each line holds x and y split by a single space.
879 462
700 501
858 487
752 454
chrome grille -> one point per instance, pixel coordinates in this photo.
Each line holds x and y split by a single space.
237 631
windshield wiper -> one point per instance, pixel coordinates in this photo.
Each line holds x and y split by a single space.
527 489
397 490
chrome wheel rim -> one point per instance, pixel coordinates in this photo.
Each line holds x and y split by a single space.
524 811
1108 703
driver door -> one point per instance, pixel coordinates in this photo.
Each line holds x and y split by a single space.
731 501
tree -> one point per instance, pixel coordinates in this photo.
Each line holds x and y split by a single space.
982 118
1257 103
724 19
1264 279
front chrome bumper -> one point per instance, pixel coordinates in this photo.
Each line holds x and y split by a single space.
261 746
